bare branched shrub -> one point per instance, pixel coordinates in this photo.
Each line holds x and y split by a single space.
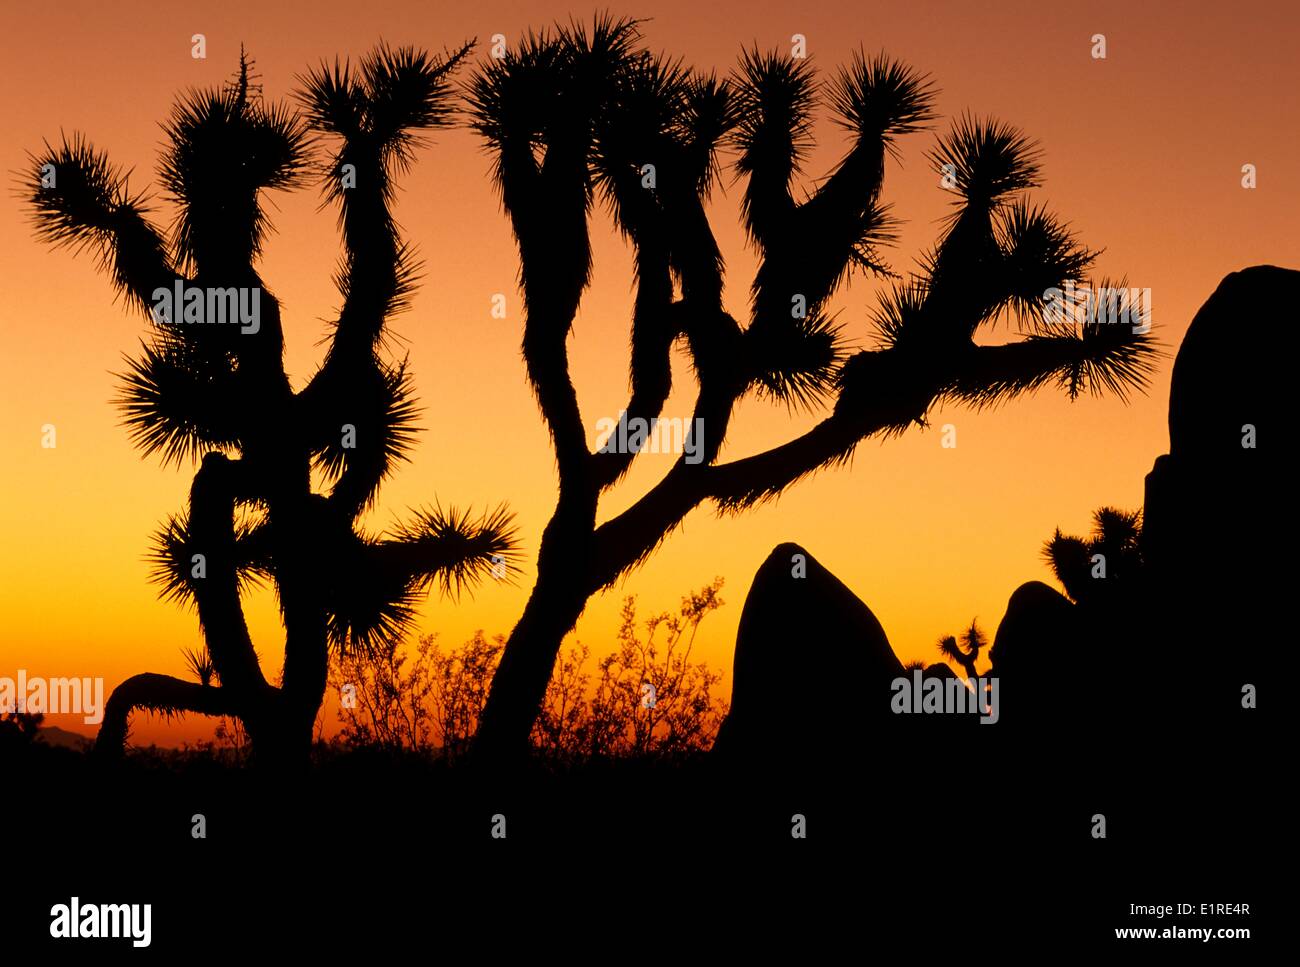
647 698
461 681
382 701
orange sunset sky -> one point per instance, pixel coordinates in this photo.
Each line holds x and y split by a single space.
1143 153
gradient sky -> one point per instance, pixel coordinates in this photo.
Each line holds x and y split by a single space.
1142 154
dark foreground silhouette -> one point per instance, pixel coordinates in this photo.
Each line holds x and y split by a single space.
1167 650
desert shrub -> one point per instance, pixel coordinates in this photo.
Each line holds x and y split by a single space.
647 698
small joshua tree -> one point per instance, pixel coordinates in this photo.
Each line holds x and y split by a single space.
967 651
575 117
218 395
1109 558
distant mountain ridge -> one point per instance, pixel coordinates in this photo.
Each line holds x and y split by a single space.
52 735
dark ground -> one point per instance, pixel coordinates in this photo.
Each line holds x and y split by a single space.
642 862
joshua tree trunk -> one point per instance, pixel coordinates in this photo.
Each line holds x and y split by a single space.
520 682
563 586
159 693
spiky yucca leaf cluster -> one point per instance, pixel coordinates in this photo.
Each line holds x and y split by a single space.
1115 544
175 569
224 147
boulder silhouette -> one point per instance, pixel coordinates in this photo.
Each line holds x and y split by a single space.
1214 503
1037 652
813 667
940 669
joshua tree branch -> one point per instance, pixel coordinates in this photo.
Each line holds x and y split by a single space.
373 111
556 262
1095 358
449 548
158 693
651 363
550 307
78 199
217 485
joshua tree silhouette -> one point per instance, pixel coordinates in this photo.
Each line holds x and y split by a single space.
219 394
573 115
1087 567
972 643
